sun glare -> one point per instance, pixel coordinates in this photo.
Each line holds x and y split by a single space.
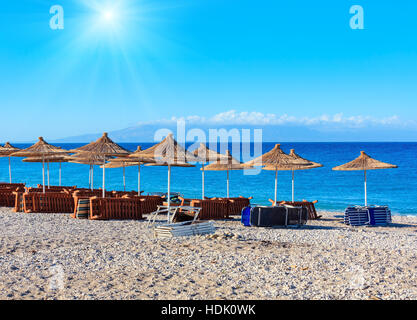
108 15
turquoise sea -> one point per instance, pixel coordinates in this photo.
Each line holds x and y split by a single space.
334 190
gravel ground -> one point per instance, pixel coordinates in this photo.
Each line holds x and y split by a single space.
52 256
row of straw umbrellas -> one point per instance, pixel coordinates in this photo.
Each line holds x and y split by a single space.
108 154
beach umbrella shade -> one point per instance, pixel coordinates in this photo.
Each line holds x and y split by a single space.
293 167
41 149
364 163
134 159
6 151
105 148
206 155
171 154
276 160
49 159
87 159
227 164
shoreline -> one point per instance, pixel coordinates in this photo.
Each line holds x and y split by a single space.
52 256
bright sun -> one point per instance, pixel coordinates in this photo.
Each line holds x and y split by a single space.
108 15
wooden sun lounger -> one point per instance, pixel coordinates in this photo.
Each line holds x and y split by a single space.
115 208
312 213
8 197
4 185
48 202
58 188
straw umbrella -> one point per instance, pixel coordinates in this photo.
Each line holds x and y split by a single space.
292 167
276 160
54 158
364 162
104 147
227 164
207 155
6 151
168 153
134 159
41 149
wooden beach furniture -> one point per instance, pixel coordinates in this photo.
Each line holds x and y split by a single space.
115 208
4 185
236 205
50 202
58 188
312 213
213 209
7 196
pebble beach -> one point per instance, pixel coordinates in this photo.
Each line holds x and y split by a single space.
52 256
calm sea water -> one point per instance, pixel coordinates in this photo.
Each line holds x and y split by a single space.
334 189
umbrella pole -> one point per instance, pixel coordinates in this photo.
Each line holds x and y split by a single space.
227 183
60 169
89 177
292 186
202 181
139 179
124 178
43 173
169 192
366 197
276 185
92 177
10 171
104 176
48 173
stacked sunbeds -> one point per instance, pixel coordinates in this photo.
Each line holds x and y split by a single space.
80 202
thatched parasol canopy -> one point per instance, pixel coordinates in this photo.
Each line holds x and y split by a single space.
204 154
168 151
277 160
364 162
41 149
57 158
301 164
227 163
6 151
104 147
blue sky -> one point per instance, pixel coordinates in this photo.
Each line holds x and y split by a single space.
158 59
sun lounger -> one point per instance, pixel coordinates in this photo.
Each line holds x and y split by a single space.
115 208
4 185
312 213
368 215
57 188
48 203
7 196
184 229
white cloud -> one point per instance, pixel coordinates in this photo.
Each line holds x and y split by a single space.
233 117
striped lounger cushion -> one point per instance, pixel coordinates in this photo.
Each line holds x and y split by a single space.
370 215
83 209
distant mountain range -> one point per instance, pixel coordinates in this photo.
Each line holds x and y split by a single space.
285 132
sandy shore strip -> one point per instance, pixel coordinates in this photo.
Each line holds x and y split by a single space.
52 256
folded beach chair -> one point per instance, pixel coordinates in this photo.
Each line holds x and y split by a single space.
282 215
312 213
367 215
